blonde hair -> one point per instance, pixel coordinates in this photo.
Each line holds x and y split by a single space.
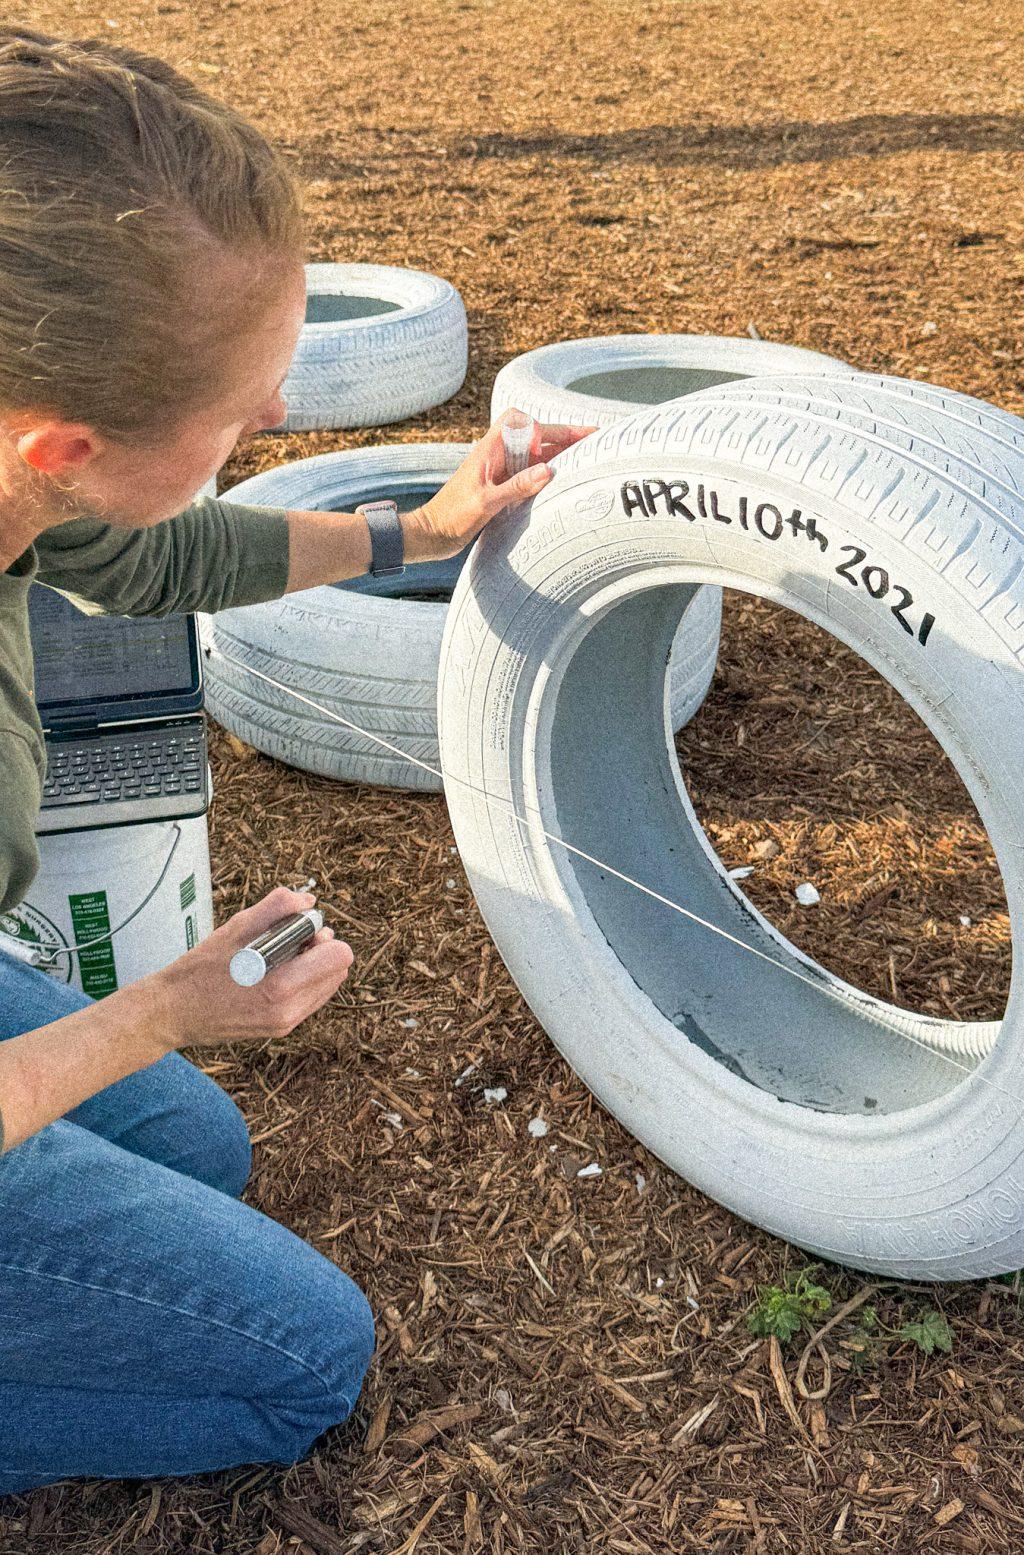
122 186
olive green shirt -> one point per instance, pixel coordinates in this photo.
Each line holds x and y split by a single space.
214 555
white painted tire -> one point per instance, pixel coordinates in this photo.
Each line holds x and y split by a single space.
379 344
645 370
861 1132
361 649
367 655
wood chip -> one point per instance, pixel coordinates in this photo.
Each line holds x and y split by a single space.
432 1422
378 1425
782 1387
411 1542
946 1513
294 1517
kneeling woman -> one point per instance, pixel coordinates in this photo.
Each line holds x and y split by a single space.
151 295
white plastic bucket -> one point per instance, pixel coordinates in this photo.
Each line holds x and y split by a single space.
89 882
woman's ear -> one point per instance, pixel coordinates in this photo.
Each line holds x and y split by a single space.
57 448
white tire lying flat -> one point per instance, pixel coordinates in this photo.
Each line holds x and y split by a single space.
368 656
623 374
362 650
620 375
890 513
379 344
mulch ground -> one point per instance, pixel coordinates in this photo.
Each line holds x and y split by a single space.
564 1363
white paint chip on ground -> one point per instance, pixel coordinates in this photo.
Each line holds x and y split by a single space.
450 885
464 1076
410 1024
537 1127
808 895
966 922
593 1170
641 1182
741 873
497 1093
392 1119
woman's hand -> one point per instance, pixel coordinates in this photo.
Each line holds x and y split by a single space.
46 1072
480 489
199 1003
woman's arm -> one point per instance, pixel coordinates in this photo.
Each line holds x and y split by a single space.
212 556
46 1072
219 553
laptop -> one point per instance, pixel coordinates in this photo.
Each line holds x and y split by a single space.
120 701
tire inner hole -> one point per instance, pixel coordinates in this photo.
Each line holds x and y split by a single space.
805 764
339 307
651 384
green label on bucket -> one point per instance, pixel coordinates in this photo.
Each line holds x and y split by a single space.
91 920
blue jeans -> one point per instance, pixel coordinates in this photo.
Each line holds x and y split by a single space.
151 1324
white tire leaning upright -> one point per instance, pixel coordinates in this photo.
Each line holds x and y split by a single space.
379 344
597 382
891 513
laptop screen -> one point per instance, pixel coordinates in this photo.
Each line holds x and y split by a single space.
103 667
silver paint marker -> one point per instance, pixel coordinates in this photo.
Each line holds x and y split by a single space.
278 944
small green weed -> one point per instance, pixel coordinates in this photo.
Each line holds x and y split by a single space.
864 1346
931 1332
781 1311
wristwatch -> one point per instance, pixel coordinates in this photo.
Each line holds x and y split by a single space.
387 542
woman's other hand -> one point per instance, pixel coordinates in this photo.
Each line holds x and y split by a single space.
199 1003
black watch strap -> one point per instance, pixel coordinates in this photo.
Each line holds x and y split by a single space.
387 542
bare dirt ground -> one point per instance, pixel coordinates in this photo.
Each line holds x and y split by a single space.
564 1364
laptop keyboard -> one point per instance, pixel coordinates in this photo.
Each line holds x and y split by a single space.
165 763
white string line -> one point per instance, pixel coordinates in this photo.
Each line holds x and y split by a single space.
47 961
499 799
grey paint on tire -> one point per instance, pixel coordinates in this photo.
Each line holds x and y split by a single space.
546 384
384 343
862 1132
362 650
